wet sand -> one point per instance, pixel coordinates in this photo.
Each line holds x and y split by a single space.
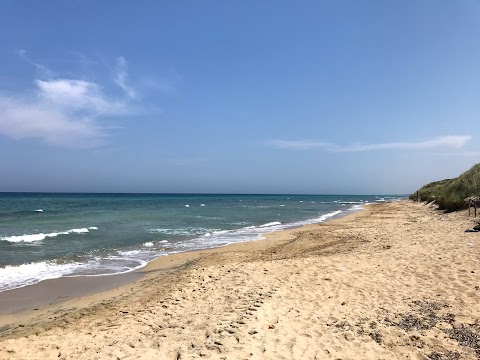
396 281
50 292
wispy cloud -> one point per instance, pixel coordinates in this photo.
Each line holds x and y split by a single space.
463 154
63 112
121 77
451 141
41 69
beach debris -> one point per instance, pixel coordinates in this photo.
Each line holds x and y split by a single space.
467 335
376 336
451 355
472 201
424 317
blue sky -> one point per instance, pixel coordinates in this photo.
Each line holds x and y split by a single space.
329 97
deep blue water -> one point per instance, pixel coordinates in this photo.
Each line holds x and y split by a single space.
51 235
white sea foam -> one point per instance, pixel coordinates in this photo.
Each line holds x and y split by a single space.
15 276
273 223
247 233
26 238
39 210
131 259
184 231
12 276
187 205
356 208
41 236
202 204
79 231
125 253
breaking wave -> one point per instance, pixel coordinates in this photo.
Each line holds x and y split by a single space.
42 236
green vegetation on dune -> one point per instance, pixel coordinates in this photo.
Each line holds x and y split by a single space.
450 194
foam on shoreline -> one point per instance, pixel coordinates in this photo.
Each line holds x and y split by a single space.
34 275
128 260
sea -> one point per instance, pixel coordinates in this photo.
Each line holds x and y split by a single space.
51 235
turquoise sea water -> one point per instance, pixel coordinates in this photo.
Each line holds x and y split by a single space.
44 236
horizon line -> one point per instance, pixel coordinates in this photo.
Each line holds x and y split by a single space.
193 193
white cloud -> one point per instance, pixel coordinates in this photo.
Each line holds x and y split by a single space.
451 141
121 77
22 119
77 95
63 112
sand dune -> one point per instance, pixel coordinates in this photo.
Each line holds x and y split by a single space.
396 281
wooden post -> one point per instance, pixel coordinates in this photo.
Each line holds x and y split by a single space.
417 196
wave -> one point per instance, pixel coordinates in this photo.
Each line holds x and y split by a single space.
273 223
247 233
28 238
240 223
122 261
28 274
185 231
17 276
39 210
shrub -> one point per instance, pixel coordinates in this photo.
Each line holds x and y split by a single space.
450 194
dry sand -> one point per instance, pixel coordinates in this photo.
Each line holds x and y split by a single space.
396 281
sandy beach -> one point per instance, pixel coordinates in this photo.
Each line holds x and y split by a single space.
394 281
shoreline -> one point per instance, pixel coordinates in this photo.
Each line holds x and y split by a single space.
54 291
395 281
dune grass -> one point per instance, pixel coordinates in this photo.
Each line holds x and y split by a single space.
450 194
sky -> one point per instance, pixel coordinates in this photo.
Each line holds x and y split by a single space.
317 97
